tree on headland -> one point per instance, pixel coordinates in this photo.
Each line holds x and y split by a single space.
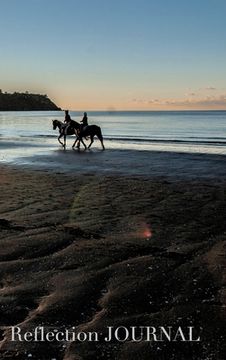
25 102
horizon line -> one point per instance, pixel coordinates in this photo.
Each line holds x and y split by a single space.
112 111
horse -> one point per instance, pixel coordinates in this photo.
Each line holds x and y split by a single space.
75 129
61 126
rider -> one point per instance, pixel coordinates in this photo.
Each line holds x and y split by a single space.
67 117
67 121
84 122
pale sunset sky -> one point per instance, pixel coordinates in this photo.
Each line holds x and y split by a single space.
116 55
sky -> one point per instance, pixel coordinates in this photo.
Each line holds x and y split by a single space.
116 55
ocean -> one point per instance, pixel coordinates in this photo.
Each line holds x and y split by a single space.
30 133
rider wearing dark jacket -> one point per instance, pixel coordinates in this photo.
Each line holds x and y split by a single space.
67 118
67 121
84 121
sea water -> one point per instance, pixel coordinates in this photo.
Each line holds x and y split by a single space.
30 133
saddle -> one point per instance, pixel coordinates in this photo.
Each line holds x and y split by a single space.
83 129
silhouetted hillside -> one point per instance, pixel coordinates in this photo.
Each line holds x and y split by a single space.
25 102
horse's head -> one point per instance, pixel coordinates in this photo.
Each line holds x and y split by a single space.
55 124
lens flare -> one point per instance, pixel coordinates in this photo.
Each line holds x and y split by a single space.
144 230
147 233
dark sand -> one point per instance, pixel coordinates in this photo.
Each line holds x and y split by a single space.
91 251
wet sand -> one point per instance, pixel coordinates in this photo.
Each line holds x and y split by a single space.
128 162
100 247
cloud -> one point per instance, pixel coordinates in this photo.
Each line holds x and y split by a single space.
191 94
208 88
189 102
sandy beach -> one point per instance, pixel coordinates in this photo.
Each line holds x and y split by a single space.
114 238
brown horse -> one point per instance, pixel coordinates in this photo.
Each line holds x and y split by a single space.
75 129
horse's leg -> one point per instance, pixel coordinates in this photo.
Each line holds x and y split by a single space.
80 139
102 143
91 137
76 139
64 145
59 137
103 147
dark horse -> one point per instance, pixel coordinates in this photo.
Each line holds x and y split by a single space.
74 129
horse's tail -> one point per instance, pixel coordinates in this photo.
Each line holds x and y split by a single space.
100 136
99 133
